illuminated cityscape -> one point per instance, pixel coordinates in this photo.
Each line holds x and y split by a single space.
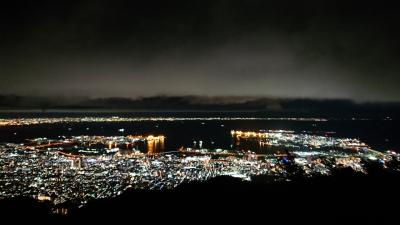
78 169
33 121
199 111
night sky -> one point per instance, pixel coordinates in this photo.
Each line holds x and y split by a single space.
296 49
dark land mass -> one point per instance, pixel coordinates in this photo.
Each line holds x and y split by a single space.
343 196
267 106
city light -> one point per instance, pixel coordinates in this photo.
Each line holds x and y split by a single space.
77 169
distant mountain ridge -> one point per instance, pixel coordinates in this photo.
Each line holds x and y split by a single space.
273 106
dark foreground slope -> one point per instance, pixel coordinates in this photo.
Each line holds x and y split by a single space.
343 196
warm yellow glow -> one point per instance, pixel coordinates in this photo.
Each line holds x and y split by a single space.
41 197
248 134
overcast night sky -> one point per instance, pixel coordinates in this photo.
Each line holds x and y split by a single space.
313 49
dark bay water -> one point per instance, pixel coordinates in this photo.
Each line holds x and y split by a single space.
379 134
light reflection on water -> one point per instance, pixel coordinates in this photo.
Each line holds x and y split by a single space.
380 135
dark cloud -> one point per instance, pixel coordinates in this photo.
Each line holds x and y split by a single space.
315 49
